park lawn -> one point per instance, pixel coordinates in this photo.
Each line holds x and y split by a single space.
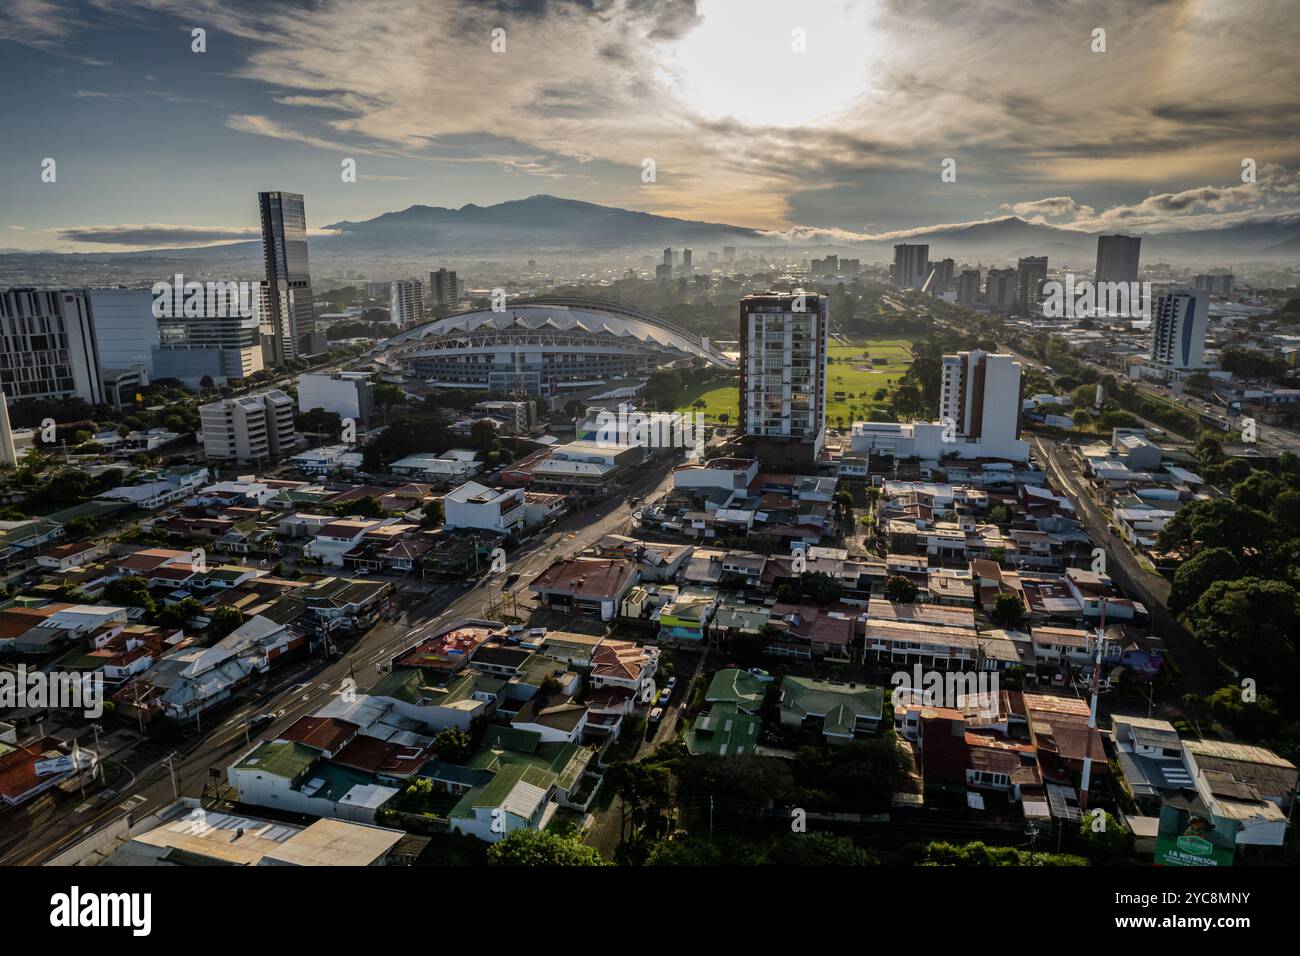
841 376
848 378
718 399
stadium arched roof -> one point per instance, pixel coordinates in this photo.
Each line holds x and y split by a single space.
562 314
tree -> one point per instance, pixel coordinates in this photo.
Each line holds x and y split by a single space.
452 745
1105 833
1198 572
1218 523
644 793
1008 610
482 434
817 588
431 513
178 614
1251 624
844 501
543 848
365 507
981 854
130 592
224 620
901 589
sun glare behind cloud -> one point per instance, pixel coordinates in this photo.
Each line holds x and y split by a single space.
742 61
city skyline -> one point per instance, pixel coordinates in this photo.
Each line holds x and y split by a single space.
852 149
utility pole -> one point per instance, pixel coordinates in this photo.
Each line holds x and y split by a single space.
1095 686
99 763
170 760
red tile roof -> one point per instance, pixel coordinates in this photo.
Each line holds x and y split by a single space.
324 733
601 578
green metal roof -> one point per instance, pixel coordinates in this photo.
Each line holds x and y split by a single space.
724 730
734 686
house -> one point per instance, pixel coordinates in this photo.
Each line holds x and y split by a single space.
541 508
1240 800
32 769
473 505
724 730
839 711
554 718
623 664
439 701
1150 757
591 587
451 649
62 557
335 539
687 617
348 604
515 781
226 839
297 778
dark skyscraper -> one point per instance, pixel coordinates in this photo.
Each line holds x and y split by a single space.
1117 258
286 300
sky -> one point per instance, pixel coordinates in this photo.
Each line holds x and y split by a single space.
810 118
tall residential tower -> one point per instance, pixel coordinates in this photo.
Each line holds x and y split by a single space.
287 313
783 367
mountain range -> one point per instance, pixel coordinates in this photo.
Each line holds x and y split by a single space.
549 225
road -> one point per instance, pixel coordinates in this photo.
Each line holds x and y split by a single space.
31 838
1200 671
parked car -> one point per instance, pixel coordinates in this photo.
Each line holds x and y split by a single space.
672 682
761 674
665 696
656 715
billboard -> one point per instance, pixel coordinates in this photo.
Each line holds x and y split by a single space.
1188 838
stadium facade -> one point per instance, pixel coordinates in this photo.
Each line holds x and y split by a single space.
544 346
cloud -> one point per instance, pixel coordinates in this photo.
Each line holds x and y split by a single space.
158 235
1053 207
1028 110
265 126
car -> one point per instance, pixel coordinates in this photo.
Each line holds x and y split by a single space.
761 674
672 682
467 585
656 715
260 721
665 695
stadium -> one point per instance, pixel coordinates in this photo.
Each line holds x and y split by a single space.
542 346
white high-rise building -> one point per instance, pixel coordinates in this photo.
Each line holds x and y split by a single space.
783 367
347 394
251 428
406 301
911 265
1179 319
980 394
47 345
1117 258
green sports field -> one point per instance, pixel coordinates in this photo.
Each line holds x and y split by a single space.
852 382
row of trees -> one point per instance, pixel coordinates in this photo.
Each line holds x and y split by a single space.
1239 588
